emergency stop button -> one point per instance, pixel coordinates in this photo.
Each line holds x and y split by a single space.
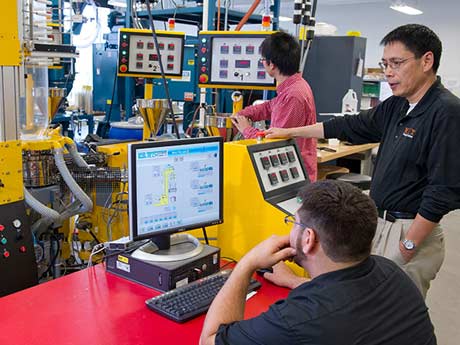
2 227
123 68
203 78
6 254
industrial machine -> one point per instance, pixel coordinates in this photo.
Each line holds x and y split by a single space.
261 184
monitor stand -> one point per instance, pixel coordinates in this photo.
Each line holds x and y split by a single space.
165 248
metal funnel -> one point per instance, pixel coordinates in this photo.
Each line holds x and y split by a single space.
153 112
56 95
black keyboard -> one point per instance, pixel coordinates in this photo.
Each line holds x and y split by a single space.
188 301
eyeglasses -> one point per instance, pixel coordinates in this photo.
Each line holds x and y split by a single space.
291 219
394 64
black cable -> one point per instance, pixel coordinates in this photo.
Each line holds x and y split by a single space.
205 235
157 46
53 258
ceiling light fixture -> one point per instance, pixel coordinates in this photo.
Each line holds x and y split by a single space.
402 7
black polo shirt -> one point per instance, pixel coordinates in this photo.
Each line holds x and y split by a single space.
417 167
372 303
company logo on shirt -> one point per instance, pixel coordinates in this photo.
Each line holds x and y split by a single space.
409 132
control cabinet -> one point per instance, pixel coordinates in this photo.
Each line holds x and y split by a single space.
231 59
18 269
139 57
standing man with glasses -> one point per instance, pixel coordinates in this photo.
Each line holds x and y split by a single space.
416 179
294 104
353 298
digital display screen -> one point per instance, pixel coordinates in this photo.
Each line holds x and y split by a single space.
175 185
242 63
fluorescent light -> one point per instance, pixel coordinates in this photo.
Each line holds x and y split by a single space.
117 3
412 11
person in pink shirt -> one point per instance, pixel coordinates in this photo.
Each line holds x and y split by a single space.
294 104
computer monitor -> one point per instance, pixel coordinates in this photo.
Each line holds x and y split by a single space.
174 186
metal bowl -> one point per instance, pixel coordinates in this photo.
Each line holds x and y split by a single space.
219 120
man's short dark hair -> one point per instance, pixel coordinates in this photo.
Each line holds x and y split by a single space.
344 218
283 50
417 38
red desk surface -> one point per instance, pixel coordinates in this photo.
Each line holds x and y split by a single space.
95 307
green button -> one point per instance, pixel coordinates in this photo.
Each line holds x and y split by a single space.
3 240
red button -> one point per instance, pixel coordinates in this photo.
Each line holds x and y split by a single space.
203 50
203 69
124 60
2 227
123 68
6 254
22 249
124 44
203 78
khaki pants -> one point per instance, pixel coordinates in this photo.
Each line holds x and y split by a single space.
428 257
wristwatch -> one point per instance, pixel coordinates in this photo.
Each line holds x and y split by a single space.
408 244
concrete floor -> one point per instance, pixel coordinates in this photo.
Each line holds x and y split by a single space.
443 298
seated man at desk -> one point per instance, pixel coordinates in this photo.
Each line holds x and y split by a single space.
415 180
352 298
294 104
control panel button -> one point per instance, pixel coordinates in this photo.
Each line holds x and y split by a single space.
150 45
273 179
153 57
291 156
237 49
124 44
260 64
140 45
203 69
224 49
204 50
170 66
124 60
6 254
139 56
161 45
2 227
294 172
22 249
170 57
261 75
265 162
139 65
3 240
203 78
284 175
283 158
123 68
223 63
171 46
223 74
250 49
275 161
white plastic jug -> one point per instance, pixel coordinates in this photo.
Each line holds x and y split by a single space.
350 102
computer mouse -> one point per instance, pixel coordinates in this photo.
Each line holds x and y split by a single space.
261 271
